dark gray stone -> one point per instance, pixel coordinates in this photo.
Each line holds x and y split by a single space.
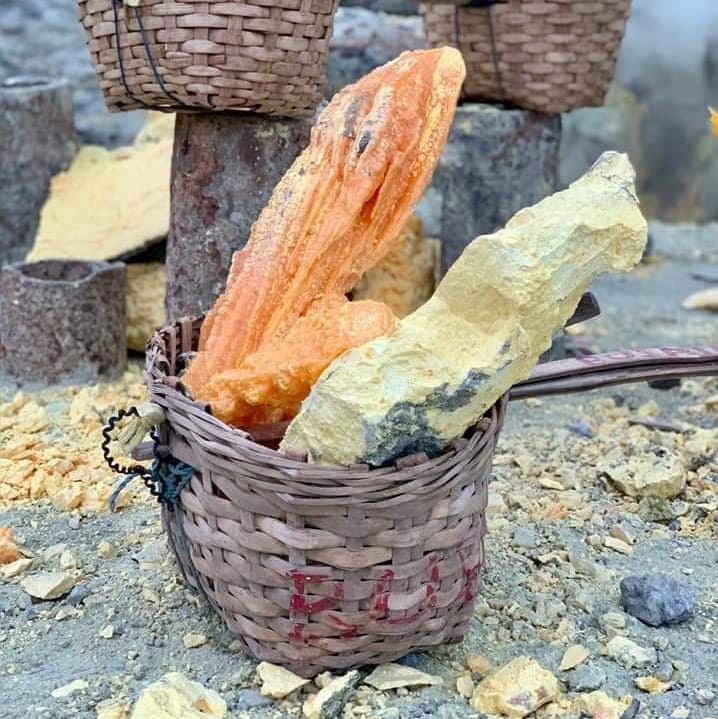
581 429
37 136
224 169
62 321
657 599
496 162
77 595
363 40
249 699
586 678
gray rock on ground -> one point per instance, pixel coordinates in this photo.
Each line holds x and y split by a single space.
657 599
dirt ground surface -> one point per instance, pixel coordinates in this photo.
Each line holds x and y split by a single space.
551 580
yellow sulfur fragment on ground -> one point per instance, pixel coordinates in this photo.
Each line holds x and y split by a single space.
714 120
50 444
109 202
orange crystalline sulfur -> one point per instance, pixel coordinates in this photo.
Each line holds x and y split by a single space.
334 214
270 384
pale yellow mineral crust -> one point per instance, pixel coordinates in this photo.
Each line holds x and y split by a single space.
110 202
482 331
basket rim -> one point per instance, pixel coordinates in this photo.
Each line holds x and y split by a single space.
160 381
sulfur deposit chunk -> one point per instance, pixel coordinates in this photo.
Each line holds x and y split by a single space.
407 275
146 284
338 208
517 689
175 697
483 330
270 384
8 548
110 202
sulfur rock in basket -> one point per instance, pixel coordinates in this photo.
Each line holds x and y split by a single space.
483 330
335 213
271 383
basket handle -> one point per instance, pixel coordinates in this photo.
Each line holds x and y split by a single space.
617 367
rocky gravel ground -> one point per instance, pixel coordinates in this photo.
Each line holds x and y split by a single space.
584 497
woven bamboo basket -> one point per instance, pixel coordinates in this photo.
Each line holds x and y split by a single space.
265 56
318 567
547 55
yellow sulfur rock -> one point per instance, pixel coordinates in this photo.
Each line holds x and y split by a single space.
146 284
484 329
600 706
109 202
176 697
516 690
703 300
58 457
407 275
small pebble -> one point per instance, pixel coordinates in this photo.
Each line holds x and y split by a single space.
581 429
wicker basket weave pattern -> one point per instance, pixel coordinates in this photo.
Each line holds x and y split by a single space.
263 56
546 55
318 567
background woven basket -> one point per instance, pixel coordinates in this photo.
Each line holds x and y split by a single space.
546 55
318 567
264 56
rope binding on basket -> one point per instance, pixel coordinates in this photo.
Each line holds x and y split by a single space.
165 478
133 5
486 5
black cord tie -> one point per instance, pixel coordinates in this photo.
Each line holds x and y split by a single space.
165 478
178 103
486 5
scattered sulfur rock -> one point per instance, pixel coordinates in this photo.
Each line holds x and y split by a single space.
600 706
68 560
67 690
704 696
657 599
192 640
703 300
8 548
329 702
680 713
151 555
573 656
620 531
395 676
176 697
617 545
48 585
478 664
516 689
655 509
483 330
107 632
652 684
105 550
548 483
612 620
589 568
656 472
627 652
146 285
465 686
16 568
128 189
112 709
278 682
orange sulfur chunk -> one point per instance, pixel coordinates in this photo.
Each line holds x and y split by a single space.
338 208
270 384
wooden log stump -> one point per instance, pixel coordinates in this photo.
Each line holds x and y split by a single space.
224 168
62 321
495 162
37 136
